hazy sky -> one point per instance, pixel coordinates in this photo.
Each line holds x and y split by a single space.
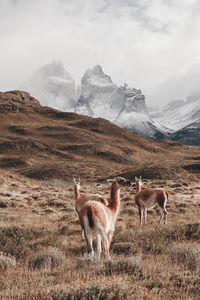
153 45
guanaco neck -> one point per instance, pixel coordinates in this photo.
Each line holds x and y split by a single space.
138 187
114 199
76 191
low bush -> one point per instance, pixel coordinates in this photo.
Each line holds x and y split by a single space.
49 258
129 265
186 255
122 248
116 291
7 261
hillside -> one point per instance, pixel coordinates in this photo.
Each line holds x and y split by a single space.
42 252
40 142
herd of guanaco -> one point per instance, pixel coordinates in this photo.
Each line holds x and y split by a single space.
98 216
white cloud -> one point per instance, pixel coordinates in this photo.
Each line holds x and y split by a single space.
147 43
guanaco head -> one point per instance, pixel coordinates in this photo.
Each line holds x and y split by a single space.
77 187
139 183
117 181
76 181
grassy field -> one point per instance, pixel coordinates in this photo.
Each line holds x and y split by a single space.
44 255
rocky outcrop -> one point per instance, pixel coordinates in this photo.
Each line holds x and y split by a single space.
17 101
83 106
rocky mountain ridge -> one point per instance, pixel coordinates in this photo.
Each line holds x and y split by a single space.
98 97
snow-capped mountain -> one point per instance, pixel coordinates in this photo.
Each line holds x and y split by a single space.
179 116
160 112
53 86
99 96
123 105
183 120
189 135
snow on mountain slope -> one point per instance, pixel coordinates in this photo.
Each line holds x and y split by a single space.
189 135
180 117
141 124
53 86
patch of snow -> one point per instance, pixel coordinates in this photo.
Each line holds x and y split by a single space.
99 81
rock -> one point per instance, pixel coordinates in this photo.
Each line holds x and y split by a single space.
17 101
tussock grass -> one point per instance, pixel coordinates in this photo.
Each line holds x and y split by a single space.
15 240
129 265
7 261
187 255
154 240
115 291
122 248
143 266
47 258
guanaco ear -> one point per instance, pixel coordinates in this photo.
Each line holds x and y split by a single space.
140 177
136 178
79 181
74 180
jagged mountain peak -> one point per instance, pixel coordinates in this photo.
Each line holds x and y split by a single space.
96 77
122 105
53 86
55 68
97 69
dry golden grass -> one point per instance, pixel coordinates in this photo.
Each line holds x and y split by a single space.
42 232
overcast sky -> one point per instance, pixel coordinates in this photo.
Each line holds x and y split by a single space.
153 45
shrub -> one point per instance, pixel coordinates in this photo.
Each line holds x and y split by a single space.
16 240
129 265
122 248
185 254
49 258
4 203
7 261
86 261
116 291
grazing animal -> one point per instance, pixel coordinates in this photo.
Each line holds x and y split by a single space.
80 200
148 198
98 220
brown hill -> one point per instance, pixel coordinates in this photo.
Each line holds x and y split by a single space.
41 142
